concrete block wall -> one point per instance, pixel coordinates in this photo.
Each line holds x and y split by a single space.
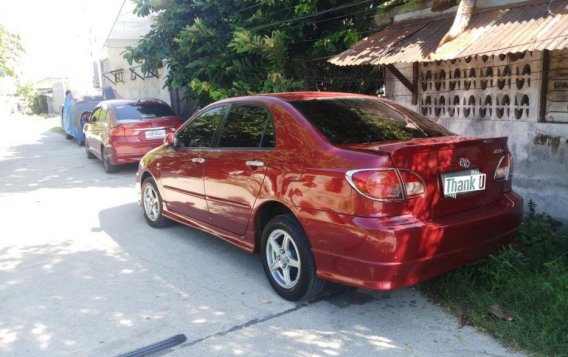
540 149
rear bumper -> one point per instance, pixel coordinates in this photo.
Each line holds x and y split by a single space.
128 153
394 252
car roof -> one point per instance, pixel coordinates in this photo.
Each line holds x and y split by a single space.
115 102
291 96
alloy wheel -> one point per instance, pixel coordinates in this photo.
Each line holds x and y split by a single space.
151 203
283 258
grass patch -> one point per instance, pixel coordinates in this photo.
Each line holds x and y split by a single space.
58 130
527 284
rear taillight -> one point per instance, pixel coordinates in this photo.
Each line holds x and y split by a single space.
119 130
386 184
504 170
413 184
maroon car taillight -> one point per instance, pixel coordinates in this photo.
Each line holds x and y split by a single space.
504 171
413 184
116 131
386 184
122 131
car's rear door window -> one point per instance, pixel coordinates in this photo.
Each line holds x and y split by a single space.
247 126
199 131
346 121
142 110
103 115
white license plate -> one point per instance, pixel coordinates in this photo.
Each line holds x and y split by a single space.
466 181
155 134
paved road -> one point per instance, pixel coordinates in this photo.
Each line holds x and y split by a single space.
82 274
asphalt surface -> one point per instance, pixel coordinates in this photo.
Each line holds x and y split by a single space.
82 274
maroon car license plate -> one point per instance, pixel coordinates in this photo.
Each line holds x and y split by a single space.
155 134
456 183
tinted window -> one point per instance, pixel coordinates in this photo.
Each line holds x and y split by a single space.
95 115
245 127
269 140
199 132
358 120
103 115
142 110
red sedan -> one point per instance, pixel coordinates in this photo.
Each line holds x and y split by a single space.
121 131
334 187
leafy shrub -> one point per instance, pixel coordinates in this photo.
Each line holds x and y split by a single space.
528 281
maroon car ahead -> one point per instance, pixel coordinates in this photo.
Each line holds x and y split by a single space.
332 186
121 131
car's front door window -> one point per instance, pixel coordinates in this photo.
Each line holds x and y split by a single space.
200 131
95 115
247 126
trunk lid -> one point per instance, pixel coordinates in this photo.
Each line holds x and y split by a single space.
431 158
149 129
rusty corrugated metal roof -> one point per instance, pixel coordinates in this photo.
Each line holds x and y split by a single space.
527 27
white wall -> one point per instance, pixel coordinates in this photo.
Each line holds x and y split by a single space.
133 87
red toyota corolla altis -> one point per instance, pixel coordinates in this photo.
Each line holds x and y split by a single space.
121 131
333 186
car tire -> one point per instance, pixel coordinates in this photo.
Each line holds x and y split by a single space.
152 205
107 165
288 261
89 154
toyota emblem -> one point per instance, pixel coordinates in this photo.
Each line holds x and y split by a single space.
464 162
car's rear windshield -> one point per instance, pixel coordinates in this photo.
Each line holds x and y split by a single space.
142 110
346 121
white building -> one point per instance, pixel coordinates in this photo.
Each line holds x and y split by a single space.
113 70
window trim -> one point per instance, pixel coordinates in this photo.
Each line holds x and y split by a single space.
240 148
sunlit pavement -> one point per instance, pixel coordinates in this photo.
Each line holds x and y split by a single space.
82 274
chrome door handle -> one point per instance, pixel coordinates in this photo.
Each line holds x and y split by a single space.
255 163
198 160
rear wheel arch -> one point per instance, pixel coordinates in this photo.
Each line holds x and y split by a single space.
264 214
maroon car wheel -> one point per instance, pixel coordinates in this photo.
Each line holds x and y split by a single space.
287 260
107 165
89 153
152 205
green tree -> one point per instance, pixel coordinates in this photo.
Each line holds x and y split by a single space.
10 50
215 49
30 96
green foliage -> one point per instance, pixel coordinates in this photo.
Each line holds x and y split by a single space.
218 49
529 281
10 50
29 94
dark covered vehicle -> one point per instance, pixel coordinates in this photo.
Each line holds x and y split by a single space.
72 118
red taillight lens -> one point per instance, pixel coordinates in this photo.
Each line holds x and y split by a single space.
385 184
413 184
504 170
120 130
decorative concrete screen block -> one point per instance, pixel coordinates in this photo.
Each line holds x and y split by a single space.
504 87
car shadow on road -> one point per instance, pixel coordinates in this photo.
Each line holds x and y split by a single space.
54 162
